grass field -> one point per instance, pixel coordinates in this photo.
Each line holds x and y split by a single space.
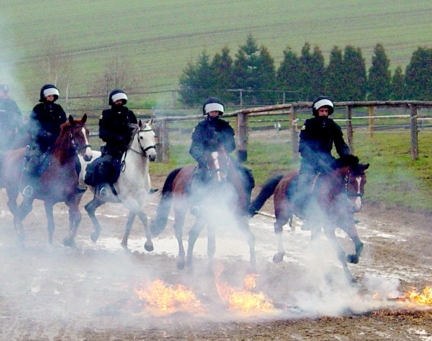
160 37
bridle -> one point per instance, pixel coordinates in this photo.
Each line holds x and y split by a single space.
346 186
142 151
75 145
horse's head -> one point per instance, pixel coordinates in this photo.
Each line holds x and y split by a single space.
74 136
218 164
354 174
143 140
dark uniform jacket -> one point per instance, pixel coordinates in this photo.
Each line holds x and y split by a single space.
208 136
10 123
44 125
317 137
115 129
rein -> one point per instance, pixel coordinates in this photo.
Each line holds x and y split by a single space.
74 144
142 151
346 183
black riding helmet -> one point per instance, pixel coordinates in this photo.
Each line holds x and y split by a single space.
49 89
322 101
213 104
115 95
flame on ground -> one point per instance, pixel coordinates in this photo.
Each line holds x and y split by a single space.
424 298
164 300
244 300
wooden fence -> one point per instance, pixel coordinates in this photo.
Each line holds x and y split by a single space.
291 110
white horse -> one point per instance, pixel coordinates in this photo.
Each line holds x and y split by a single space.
133 185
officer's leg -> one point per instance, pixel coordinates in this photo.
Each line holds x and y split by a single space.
195 189
106 170
31 169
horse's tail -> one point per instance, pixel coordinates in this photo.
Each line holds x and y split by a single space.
266 192
160 222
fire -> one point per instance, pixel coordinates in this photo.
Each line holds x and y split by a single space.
165 300
244 300
425 297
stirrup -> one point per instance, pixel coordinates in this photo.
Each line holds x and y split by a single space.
28 191
103 192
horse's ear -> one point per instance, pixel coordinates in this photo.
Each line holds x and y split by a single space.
84 118
140 124
70 119
365 166
150 122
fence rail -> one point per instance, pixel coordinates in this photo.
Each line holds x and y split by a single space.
291 110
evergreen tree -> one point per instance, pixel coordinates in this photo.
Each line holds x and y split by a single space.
354 74
222 72
379 75
398 92
266 78
287 74
311 72
418 75
196 81
334 78
245 69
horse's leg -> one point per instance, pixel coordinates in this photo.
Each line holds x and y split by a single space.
193 236
351 231
148 245
331 236
50 220
75 218
250 240
281 220
179 218
20 213
128 228
91 207
211 248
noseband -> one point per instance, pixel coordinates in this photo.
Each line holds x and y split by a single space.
346 185
143 151
75 145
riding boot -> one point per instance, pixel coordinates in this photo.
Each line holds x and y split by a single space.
31 171
195 189
303 193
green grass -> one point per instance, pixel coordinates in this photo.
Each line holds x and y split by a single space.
160 37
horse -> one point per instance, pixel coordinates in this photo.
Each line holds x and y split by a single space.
133 184
224 195
336 196
58 179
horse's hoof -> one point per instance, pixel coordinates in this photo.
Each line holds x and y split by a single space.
149 247
69 242
278 257
353 259
181 265
94 237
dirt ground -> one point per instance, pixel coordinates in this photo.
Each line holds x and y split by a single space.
51 292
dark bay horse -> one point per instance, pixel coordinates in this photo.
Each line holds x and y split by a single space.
58 180
224 195
335 197
133 185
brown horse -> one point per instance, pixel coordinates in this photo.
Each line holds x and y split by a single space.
335 197
58 181
224 195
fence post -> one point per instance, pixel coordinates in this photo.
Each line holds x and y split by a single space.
414 132
349 128
242 136
371 120
162 145
294 132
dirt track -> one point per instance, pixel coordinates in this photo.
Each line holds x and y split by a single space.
49 292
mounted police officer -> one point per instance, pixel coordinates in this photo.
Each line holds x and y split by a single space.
10 120
317 137
44 129
116 131
208 136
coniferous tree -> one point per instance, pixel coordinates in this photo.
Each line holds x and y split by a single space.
354 74
287 74
334 84
379 75
196 81
266 78
398 92
312 72
222 73
418 75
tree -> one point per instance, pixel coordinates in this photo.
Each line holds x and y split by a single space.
334 79
266 77
222 73
398 91
311 72
56 65
418 75
379 75
287 73
354 74
196 81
